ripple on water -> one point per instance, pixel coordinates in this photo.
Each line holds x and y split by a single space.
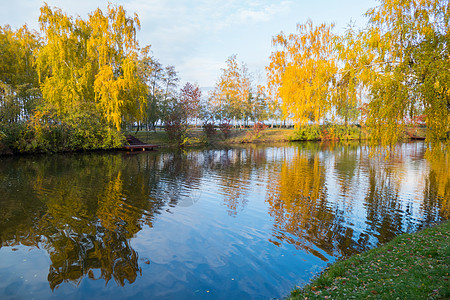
232 224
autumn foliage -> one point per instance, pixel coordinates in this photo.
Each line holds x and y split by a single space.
80 83
396 69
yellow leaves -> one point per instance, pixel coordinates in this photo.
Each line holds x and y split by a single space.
91 61
300 73
233 88
294 195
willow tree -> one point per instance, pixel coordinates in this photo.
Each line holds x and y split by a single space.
348 87
19 89
119 91
302 72
407 74
88 68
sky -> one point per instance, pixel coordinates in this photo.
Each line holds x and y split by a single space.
198 36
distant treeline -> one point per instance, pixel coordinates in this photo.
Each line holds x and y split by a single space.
80 83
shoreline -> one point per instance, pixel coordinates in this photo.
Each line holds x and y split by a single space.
411 266
196 138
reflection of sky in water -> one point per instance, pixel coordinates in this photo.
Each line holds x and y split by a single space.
214 253
23 272
209 224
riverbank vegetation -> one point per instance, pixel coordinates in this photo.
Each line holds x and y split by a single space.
81 83
411 266
259 134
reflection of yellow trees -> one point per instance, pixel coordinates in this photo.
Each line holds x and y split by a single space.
383 204
387 214
77 243
298 203
74 255
84 209
437 188
86 228
308 217
113 210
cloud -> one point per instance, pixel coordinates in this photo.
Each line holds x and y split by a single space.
259 12
197 36
189 34
202 70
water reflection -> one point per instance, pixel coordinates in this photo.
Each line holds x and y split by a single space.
437 183
82 228
308 216
327 201
297 199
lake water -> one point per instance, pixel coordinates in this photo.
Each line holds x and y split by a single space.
230 223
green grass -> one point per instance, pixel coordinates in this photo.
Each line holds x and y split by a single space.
237 136
269 135
158 137
412 266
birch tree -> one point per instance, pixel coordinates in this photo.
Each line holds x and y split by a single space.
300 73
233 89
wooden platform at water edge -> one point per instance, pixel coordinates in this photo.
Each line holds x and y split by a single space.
138 145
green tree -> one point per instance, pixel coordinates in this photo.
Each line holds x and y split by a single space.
151 72
348 88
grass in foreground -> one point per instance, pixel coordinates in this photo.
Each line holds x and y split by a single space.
412 266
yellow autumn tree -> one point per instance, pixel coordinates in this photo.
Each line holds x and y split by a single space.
348 88
301 72
89 67
407 73
232 89
19 89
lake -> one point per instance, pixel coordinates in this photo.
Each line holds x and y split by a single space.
227 223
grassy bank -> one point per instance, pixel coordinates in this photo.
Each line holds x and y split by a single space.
412 266
197 137
236 136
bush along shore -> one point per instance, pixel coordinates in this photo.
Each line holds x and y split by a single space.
411 266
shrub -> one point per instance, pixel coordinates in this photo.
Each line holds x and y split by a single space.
176 129
82 132
209 129
307 133
340 132
258 127
326 132
225 128
255 133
